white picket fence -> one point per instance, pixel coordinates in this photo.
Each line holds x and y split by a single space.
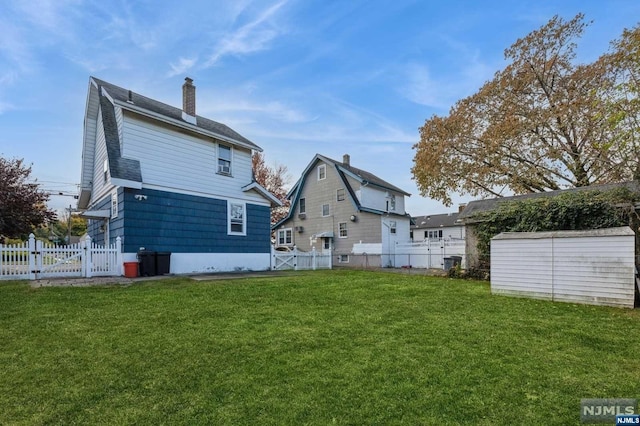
299 260
35 259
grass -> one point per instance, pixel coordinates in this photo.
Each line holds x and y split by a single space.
330 347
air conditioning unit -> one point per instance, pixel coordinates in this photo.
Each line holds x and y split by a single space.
299 229
302 216
224 169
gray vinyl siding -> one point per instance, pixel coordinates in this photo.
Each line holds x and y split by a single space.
316 192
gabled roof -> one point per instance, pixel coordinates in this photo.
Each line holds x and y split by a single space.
103 97
478 206
364 177
435 221
343 170
136 102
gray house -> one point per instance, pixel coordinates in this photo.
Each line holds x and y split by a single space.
336 207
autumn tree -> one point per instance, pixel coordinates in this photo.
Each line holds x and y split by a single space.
623 65
275 180
22 203
542 123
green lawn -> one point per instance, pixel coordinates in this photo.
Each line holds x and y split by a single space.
330 347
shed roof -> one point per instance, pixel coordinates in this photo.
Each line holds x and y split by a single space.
604 232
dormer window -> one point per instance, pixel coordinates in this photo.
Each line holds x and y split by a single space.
392 203
224 160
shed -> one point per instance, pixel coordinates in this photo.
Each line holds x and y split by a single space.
593 267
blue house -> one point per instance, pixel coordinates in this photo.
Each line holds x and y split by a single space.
165 179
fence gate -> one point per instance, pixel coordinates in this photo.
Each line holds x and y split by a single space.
35 260
298 260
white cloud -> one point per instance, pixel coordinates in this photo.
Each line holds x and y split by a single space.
181 67
252 37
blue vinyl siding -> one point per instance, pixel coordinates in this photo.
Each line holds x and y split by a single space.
116 226
180 223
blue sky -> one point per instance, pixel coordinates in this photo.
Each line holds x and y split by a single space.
297 77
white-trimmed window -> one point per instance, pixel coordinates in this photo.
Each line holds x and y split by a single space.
237 218
302 206
392 203
114 204
105 167
322 171
343 258
285 237
325 210
392 226
326 243
342 230
340 194
224 160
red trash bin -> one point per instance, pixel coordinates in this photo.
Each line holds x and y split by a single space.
130 269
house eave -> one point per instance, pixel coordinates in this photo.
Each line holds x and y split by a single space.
255 186
126 183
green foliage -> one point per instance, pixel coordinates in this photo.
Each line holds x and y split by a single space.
576 210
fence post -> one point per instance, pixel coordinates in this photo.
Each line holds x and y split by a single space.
119 263
313 258
295 258
87 265
32 256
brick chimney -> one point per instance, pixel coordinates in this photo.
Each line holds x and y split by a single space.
346 160
461 207
189 97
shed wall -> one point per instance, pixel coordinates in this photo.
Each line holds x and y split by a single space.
597 269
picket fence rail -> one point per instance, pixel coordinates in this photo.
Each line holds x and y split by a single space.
35 259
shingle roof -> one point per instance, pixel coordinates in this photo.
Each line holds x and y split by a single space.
435 221
478 206
140 101
119 168
366 176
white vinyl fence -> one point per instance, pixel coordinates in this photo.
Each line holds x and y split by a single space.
35 259
299 260
424 254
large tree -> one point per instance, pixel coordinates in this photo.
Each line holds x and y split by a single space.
542 123
275 180
22 204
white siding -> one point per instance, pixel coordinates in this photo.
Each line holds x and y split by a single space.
376 198
594 267
522 267
178 161
99 187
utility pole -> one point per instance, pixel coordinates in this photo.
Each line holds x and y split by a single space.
69 226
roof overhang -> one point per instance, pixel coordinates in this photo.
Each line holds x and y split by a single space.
84 198
255 186
325 234
95 214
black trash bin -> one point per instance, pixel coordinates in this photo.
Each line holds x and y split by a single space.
448 263
163 262
147 261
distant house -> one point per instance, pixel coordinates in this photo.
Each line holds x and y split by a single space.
165 179
436 227
336 207
469 216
